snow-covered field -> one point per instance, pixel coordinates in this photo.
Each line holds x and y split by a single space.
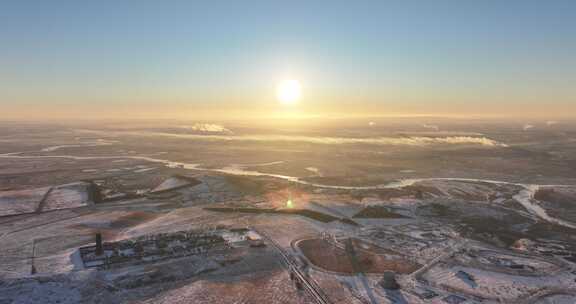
21 201
67 196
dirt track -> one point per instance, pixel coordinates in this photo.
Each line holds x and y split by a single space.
331 258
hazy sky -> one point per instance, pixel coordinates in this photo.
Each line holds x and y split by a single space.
224 58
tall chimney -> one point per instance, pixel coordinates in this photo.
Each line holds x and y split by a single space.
389 280
99 249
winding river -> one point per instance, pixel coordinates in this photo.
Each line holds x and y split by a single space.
525 196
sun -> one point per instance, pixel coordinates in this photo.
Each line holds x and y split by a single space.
289 91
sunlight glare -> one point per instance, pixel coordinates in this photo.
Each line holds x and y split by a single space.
289 91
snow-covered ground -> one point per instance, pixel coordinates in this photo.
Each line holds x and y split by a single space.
68 196
494 285
21 201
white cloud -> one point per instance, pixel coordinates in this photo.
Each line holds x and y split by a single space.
527 127
206 127
432 127
393 141
551 123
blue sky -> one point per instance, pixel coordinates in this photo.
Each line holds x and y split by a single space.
428 54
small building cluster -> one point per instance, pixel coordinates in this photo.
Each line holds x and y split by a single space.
162 246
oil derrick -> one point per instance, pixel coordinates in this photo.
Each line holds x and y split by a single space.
33 269
99 248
